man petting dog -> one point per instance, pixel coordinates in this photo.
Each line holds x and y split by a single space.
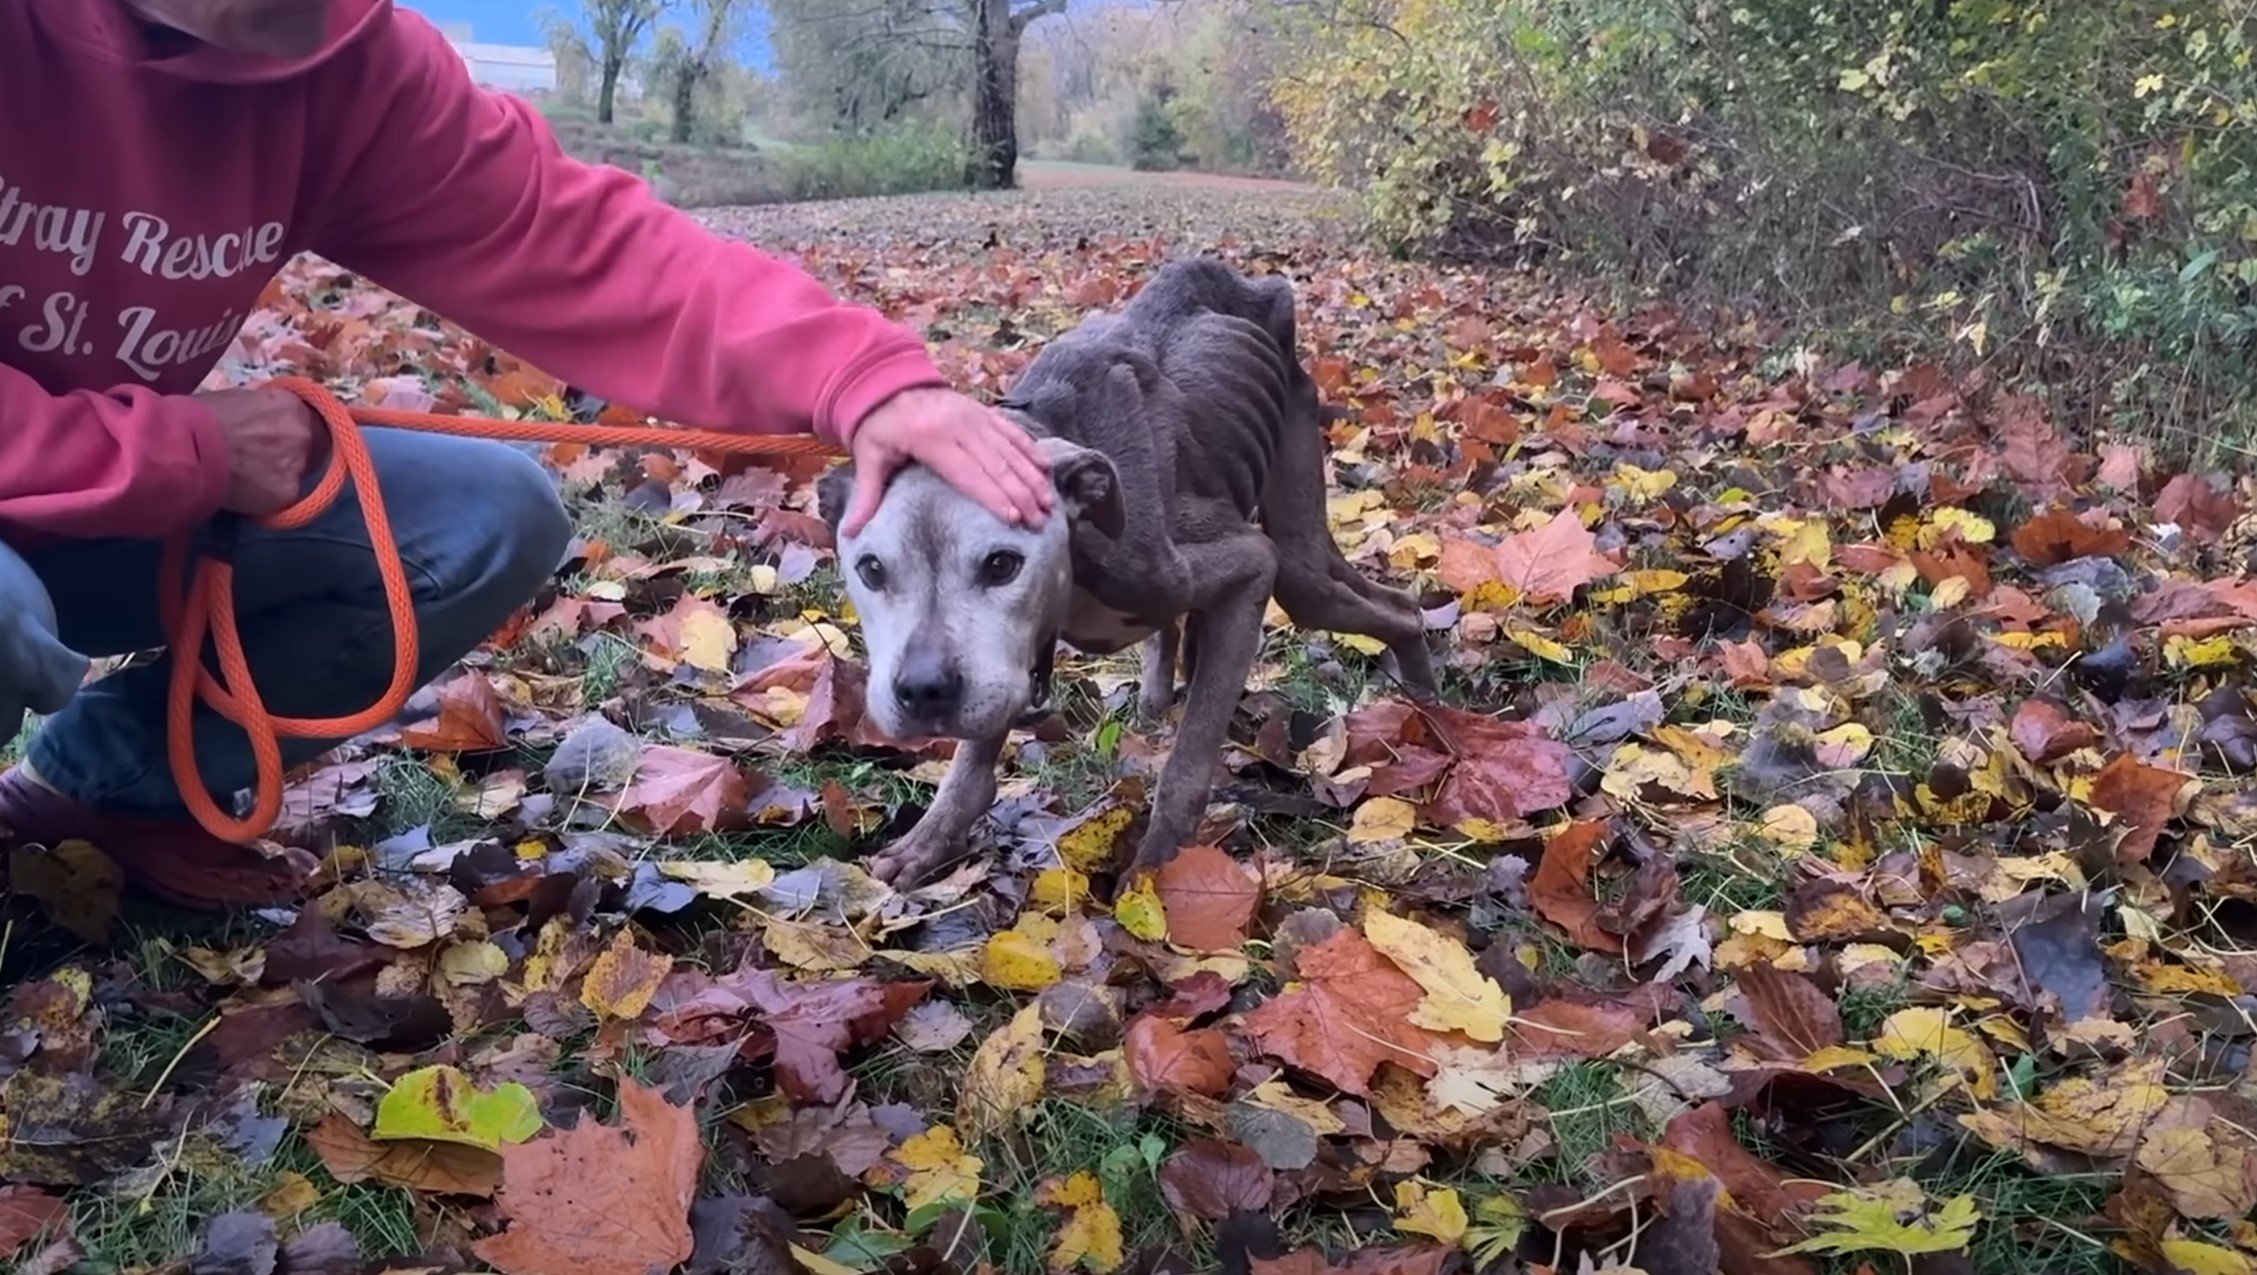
189 149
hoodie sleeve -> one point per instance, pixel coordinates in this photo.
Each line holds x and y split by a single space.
127 462
464 202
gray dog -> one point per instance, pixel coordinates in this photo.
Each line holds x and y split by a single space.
1187 446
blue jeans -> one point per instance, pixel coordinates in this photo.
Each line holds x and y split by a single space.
480 528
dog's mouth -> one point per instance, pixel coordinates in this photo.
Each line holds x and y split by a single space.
1038 684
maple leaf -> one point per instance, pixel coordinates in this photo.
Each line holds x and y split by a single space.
814 1020
1208 900
2143 797
1212 1180
470 719
1891 1217
1550 563
1790 1017
1164 1057
1091 1237
1561 888
1458 996
1005 1076
622 980
593 1200
1350 1013
678 791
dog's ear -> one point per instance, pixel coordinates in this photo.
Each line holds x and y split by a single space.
832 491
1088 485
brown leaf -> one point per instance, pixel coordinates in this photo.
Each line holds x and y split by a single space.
591 1200
1164 1057
1823 910
814 1020
441 1168
1351 1014
2046 733
26 1213
1212 1180
621 981
2058 535
2209 1173
2193 504
470 719
2142 797
1208 899
1788 1016
680 791
1559 1028
1561 887
1759 1189
1504 770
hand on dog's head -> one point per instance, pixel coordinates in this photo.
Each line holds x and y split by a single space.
956 605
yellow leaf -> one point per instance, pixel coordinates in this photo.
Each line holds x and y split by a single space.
1972 528
469 964
1844 746
818 949
1059 891
1950 593
2181 651
1005 1076
1091 1237
763 578
1358 642
1382 819
1634 766
1645 485
2193 1257
1541 647
2206 1171
623 979
1089 846
719 880
1770 925
1891 1217
1926 1031
940 1170
1435 1212
1459 997
1015 961
1140 911
708 639
1790 827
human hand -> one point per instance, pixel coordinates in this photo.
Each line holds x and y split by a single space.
972 447
273 441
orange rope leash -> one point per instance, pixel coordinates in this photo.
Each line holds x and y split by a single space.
202 604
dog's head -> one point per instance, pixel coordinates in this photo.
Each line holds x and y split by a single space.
957 606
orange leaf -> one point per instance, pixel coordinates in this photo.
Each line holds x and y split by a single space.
1561 888
1164 1057
1352 1013
591 1200
1209 899
470 719
1550 563
2142 797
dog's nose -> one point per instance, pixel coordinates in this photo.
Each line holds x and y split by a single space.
931 692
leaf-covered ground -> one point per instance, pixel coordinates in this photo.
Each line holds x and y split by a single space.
1834 855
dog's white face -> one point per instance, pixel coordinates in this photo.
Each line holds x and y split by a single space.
956 605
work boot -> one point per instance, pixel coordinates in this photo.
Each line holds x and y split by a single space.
173 860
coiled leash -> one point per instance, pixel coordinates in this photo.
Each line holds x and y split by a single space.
201 603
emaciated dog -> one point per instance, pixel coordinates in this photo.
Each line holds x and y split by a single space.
1188 449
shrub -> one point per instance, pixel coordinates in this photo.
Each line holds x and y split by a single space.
1155 144
904 160
2065 191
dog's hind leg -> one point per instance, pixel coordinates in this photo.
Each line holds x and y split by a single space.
1234 578
1316 586
966 793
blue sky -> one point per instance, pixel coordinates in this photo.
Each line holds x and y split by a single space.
519 22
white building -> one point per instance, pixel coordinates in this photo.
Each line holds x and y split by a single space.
512 68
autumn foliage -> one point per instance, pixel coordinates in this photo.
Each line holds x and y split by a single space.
1832 855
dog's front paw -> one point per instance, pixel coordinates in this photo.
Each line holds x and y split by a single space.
907 863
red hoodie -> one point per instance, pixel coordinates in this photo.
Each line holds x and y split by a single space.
140 222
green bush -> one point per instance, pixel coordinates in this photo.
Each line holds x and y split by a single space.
904 160
1155 143
2066 192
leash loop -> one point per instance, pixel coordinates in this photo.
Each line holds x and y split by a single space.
196 589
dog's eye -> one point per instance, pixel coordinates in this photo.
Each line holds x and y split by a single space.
872 571
1000 568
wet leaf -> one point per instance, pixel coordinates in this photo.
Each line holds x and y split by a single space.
600 1199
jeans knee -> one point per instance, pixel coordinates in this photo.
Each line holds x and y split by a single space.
534 527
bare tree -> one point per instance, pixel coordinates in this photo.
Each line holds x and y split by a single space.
983 37
688 59
608 33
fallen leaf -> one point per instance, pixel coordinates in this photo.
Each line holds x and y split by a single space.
437 1167
1091 1238
1458 996
600 1199
27 1213
1164 1057
2142 797
1207 899
470 719
622 980
440 1104
1561 888
1212 1180
1005 1075
677 792
1350 1013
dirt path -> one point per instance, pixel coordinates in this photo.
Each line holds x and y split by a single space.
1046 174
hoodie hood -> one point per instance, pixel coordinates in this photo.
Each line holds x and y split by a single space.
114 33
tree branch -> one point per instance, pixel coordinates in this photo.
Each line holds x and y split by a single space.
1024 18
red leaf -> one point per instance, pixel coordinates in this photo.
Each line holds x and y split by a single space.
679 791
1561 888
26 1213
1212 1180
593 1200
1351 1014
470 719
1165 1058
2142 797
1208 899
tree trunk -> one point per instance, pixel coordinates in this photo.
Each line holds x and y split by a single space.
608 90
995 96
685 103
